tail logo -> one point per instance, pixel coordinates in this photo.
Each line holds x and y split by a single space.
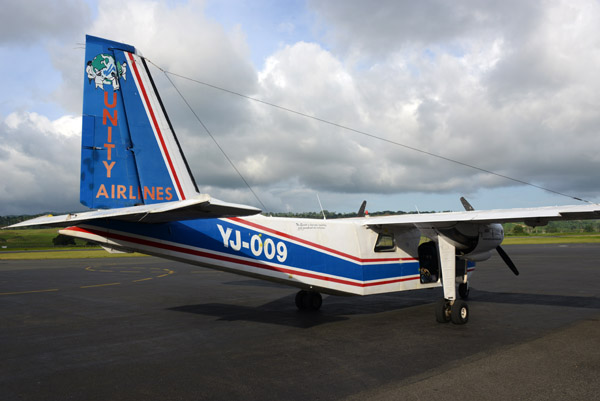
104 70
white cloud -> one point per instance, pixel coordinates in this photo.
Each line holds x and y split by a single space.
501 95
507 86
26 22
36 158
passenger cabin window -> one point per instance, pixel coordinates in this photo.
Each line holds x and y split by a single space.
385 243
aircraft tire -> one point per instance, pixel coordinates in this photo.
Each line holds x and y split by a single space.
308 300
300 299
460 312
315 301
442 309
312 300
463 290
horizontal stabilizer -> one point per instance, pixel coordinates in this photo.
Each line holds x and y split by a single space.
202 206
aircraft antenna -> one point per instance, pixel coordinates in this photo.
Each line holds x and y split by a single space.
376 137
321 206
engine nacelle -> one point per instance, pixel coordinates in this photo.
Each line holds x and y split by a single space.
474 241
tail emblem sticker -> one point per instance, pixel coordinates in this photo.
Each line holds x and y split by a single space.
104 70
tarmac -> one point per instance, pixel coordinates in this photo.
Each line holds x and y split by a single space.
152 329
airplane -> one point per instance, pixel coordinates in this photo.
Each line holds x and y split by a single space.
135 175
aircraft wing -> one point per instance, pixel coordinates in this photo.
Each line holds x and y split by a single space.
202 206
538 216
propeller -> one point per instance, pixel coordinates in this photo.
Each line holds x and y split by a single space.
507 260
501 251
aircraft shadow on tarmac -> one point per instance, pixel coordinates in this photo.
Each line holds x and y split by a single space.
262 314
335 309
283 310
535 299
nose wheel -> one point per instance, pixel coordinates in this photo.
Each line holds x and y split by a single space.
308 300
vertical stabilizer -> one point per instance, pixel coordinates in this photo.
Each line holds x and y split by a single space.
130 154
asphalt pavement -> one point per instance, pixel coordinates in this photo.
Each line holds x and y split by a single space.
151 329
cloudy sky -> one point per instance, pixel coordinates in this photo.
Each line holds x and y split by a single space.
511 87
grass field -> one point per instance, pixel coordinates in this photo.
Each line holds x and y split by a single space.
73 253
13 240
29 239
37 244
553 239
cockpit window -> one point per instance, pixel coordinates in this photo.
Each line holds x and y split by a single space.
385 243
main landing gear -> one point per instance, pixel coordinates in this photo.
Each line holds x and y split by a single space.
308 300
456 311
450 308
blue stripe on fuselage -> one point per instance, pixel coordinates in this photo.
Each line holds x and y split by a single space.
206 234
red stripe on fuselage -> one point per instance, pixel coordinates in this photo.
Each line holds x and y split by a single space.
312 244
231 259
155 123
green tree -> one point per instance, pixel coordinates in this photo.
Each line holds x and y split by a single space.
518 230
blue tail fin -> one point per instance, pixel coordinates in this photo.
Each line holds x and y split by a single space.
129 152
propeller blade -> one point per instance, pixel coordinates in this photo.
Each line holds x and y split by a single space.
466 204
361 211
507 260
